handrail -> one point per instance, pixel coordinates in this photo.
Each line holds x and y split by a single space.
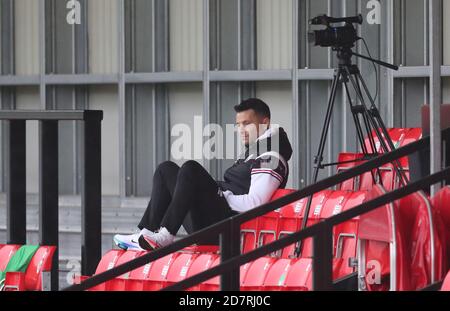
229 228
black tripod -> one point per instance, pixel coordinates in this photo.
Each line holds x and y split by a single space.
369 117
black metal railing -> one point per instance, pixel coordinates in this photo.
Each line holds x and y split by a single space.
229 229
15 133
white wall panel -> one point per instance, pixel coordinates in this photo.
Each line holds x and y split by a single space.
26 25
186 35
185 103
105 98
103 48
274 33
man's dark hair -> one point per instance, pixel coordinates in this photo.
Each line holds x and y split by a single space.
256 104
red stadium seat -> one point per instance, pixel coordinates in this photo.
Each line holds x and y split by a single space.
256 274
179 268
31 279
290 221
353 183
6 252
318 202
201 263
276 276
138 276
268 224
441 204
397 136
108 261
213 283
158 273
345 234
249 233
120 283
380 241
299 276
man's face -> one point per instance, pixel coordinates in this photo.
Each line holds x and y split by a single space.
250 125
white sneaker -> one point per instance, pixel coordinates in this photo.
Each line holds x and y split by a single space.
157 240
131 241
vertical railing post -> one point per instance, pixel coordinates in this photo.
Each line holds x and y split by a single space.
91 202
16 182
230 245
48 191
323 256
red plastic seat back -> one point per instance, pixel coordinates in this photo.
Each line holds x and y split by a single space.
126 257
201 263
425 230
269 224
256 274
299 277
6 252
109 260
318 202
158 273
441 204
180 267
276 276
349 184
376 228
213 283
345 234
41 261
249 233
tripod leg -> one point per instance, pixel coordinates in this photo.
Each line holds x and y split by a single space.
318 158
369 122
359 129
380 124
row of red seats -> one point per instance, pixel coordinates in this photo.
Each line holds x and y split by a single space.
398 236
388 176
265 273
31 279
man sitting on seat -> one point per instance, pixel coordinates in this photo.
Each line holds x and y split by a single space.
190 190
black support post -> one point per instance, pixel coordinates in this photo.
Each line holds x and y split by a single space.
91 202
230 246
48 191
323 257
16 182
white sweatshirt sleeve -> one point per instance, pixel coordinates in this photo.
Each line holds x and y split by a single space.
263 184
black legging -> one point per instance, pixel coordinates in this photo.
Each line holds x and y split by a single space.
178 192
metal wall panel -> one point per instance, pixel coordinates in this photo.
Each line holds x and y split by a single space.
274 34
185 35
103 38
26 25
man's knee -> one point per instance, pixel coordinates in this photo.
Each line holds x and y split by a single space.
190 168
163 166
191 165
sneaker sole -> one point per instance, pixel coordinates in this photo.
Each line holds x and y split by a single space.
145 245
125 246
